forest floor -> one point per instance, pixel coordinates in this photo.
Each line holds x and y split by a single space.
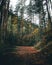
24 55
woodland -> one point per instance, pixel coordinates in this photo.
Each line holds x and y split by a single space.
19 28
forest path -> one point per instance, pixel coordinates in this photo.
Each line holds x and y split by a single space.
25 50
23 55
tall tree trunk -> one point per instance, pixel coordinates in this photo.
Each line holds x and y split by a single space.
49 17
2 19
4 16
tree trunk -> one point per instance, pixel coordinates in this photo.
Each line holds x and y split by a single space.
49 17
4 16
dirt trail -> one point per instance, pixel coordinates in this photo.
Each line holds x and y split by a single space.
25 50
24 55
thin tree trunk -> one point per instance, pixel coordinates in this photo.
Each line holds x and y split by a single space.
49 17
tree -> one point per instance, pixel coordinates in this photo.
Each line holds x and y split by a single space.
20 9
49 17
3 17
38 9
